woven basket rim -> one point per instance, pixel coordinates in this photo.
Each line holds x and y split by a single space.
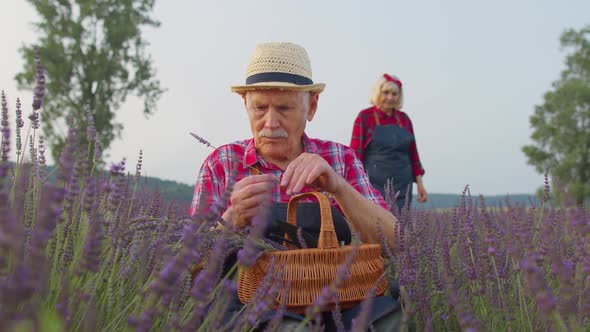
346 248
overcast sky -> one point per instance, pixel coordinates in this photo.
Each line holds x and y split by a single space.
472 72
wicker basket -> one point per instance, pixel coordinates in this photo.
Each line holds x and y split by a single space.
308 271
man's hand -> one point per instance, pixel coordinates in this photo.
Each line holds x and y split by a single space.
251 195
310 170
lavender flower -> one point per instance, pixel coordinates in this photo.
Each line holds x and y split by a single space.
300 238
275 321
547 188
138 167
19 125
464 312
264 297
202 140
337 315
93 245
34 118
155 206
249 253
49 216
39 92
535 282
359 323
221 304
205 282
90 129
97 150
5 139
328 293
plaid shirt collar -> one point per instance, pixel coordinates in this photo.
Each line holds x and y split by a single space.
251 156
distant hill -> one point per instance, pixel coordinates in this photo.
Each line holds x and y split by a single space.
171 190
182 193
446 201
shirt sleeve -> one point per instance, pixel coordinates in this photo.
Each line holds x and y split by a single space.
417 168
356 177
359 133
209 186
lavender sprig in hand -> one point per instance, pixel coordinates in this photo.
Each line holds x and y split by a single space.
208 144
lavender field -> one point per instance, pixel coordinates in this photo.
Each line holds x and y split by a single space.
94 251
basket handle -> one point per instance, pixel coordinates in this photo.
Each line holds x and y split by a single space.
327 238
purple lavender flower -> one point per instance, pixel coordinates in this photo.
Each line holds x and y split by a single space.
359 323
300 238
328 292
264 297
39 92
138 167
464 312
202 140
535 282
5 140
155 206
93 245
34 118
90 129
206 281
249 253
221 305
188 255
337 315
97 150
276 319
49 215
547 188
19 125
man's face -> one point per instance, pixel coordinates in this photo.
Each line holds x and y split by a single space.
277 120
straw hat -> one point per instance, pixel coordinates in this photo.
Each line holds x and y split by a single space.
279 65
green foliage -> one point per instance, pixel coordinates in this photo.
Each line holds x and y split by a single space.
94 56
561 125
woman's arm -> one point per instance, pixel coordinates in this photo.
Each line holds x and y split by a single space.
417 169
358 139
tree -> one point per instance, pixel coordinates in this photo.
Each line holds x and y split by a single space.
561 125
94 56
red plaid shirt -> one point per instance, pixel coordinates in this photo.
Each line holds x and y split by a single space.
231 163
364 125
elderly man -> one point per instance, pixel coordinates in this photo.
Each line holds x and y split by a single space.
281 160
280 98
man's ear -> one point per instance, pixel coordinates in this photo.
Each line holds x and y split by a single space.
245 101
313 105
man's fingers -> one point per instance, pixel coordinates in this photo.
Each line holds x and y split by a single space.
254 206
289 173
253 201
253 179
298 179
309 175
251 190
314 174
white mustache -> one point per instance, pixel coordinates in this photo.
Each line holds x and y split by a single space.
279 133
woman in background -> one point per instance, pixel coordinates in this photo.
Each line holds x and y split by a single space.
383 139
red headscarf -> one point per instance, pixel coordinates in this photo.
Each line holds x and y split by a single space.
389 78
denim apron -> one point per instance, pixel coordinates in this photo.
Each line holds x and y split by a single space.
308 218
387 158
